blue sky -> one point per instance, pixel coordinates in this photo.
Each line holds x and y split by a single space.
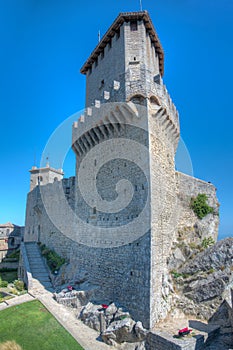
43 46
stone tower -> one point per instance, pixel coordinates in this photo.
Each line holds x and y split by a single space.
45 175
127 66
116 220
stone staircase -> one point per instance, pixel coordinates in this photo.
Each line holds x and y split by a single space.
40 274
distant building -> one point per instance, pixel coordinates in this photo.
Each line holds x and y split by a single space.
10 238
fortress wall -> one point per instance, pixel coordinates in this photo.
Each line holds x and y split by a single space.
190 227
163 215
120 274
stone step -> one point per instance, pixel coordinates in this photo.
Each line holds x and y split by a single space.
41 275
34 255
36 263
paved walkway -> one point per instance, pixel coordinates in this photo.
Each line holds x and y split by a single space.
84 335
16 301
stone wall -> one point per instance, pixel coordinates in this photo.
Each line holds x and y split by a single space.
190 228
105 70
162 341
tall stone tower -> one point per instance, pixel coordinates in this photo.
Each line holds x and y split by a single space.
127 67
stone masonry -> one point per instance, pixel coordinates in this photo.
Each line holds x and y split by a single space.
125 144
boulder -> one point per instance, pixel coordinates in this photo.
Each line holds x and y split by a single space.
90 315
176 260
208 288
125 330
217 257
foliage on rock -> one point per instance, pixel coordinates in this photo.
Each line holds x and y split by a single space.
54 261
207 242
200 206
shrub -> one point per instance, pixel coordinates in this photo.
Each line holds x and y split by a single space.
19 285
207 242
200 206
14 255
3 283
54 261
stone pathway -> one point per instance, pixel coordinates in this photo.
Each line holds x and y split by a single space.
84 335
16 301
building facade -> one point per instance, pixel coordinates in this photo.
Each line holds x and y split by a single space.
10 238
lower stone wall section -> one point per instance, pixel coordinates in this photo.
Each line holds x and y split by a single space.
164 341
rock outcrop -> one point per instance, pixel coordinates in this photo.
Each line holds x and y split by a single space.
205 280
114 324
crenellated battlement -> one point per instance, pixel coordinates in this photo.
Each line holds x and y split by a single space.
107 121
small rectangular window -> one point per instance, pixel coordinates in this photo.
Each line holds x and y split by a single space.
96 62
90 70
133 26
110 44
102 54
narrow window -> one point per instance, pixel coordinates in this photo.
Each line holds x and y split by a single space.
90 70
96 62
102 54
110 44
133 26
94 210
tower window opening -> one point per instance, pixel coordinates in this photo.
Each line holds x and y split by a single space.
138 99
94 210
154 101
110 44
135 58
133 26
96 62
90 70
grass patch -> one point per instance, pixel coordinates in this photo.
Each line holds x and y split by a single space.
33 327
9 275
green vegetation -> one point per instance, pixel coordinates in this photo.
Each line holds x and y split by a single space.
15 256
19 285
4 296
33 327
9 275
54 261
200 206
207 242
176 274
3 284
